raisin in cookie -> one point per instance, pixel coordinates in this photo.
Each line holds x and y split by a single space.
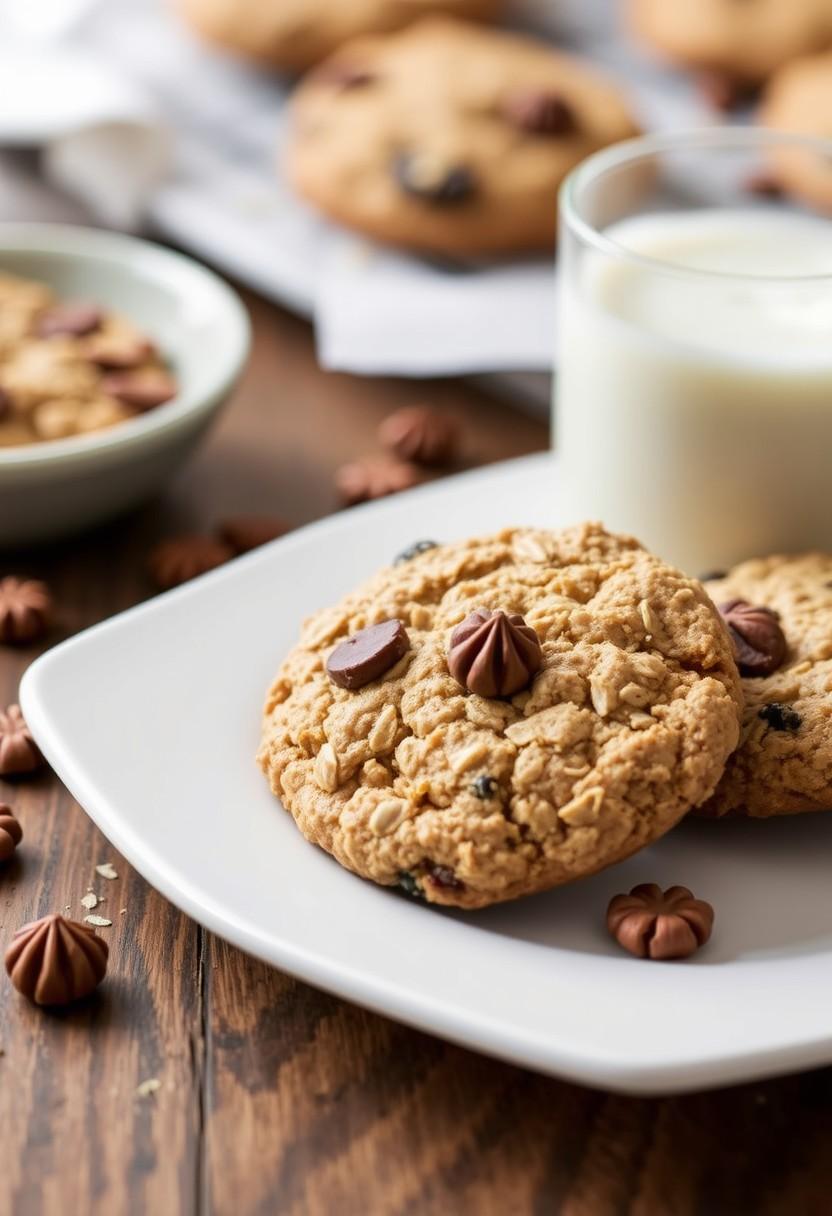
589 700
449 139
799 98
741 41
294 34
780 612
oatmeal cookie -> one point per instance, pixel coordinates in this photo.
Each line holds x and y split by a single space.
294 34
784 762
449 139
799 99
620 705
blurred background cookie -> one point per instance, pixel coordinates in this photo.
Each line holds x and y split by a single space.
293 34
799 98
734 44
449 138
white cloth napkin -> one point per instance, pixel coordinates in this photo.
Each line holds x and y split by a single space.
134 116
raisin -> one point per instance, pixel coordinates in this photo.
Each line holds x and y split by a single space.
484 787
409 885
444 876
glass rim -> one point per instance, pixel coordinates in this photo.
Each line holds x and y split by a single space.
642 147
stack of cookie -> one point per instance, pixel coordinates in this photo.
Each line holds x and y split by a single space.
418 127
782 48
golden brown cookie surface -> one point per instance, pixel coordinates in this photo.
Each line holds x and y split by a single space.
294 34
784 762
448 138
799 99
469 800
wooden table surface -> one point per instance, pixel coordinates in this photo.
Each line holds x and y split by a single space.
273 1097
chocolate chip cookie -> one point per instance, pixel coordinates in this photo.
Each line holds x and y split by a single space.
487 719
799 98
742 41
294 34
448 138
780 613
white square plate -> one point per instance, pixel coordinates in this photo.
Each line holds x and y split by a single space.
152 720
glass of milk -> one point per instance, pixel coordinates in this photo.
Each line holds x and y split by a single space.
693 402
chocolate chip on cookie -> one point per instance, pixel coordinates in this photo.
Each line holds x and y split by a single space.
780 717
433 179
759 642
484 787
657 924
539 112
368 654
493 654
414 550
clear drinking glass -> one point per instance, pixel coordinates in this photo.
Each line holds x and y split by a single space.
693 402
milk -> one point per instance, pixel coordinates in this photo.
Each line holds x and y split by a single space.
694 397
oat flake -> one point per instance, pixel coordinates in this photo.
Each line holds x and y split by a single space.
106 871
100 922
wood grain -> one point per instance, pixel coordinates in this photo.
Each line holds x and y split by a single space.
275 1098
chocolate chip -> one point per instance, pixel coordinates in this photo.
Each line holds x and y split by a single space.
418 546
443 876
432 179
759 642
539 112
73 318
493 654
780 716
140 390
763 185
368 654
409 884
484 787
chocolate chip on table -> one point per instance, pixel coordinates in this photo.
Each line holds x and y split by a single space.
418 546
246 532
759 642
484 787
141 390
182 558
71 318
19 754
539 112
780 717
421 434
25 610
660 925
494 654
11 832
433 179
375 477
54 961
368 654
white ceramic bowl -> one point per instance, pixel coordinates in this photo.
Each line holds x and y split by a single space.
199 325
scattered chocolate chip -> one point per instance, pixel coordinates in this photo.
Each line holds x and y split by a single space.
763 185
141 390
710 576
246 532
493 654
539 112
443 876
375 477
484 787
432 179
421 434
19 754
657 924
341 74
780 716
182 558
418 546
72 318
114 353
11 832
54 961
759 642
5 404
25 610
368 654
409 884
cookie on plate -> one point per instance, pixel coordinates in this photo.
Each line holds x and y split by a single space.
780 613
799 98
448 138
490 718
742 42
294 34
